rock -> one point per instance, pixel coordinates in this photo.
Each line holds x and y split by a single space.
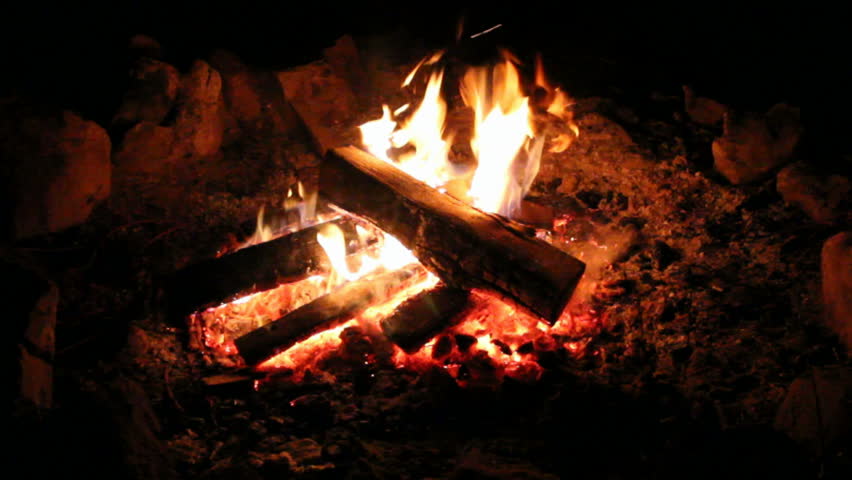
57 166
475 464
825 198
108 427
321 92
837 285
33 313
753 145
817 411
197 132
144 46
154 86
200 122
302 451
147 147
300 456
254 97
702 110
345 61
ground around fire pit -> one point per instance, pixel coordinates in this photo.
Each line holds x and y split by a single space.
708 295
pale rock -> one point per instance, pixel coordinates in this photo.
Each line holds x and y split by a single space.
702 110
825 198
57 166
145 148
753 145
154 86
344 58
33 312
817 411
837 285
200 122
144 46
254 98
323 94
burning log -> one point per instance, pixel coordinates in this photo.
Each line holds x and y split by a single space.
465 247
323 313
252 269
422 316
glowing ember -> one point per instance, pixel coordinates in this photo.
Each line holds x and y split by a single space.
305 354
221 325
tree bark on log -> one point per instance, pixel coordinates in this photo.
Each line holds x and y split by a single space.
323 313
465 247
422 316
252 269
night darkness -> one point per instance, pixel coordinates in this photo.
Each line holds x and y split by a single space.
750 55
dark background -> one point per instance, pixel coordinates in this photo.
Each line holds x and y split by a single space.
751 56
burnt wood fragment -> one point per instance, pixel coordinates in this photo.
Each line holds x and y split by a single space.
259 267
422 316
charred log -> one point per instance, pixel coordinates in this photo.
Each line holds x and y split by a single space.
323 313
424 315
465 247
252 269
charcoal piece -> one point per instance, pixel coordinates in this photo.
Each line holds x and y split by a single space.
420 317
443 347
252 269
664 255
464 341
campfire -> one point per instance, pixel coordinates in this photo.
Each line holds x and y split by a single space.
240 258
415 245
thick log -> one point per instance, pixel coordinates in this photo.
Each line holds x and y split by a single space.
422 316
465 247
260 267
323 313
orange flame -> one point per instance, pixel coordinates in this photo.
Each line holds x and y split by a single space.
559 106
507 149
504 142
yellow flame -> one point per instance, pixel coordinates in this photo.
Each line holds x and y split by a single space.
331 239
425 61
262 231
508 160
376 134
424 131
507 149
305 204
391 256
559 106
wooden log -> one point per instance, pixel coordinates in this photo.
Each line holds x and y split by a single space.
323 313
260 267
422 316
465 247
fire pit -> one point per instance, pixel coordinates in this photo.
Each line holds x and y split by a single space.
425 264
454 222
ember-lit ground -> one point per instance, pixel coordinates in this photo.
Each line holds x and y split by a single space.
699 307
488 340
